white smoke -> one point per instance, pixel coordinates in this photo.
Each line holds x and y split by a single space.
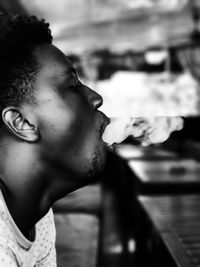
148 130
149 108
155 129
118 130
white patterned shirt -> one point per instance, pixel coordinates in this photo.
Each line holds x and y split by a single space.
17 251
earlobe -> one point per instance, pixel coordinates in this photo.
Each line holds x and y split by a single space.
19 125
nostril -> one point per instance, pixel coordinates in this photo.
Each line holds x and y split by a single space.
96 101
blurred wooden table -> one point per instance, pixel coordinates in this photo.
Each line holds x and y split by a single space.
169 231
166 176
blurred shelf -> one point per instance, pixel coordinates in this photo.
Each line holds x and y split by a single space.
128 151
175 176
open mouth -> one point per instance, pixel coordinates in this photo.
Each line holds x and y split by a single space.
104 124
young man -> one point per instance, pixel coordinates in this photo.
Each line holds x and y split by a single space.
50 139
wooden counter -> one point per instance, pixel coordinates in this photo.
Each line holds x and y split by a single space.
169 231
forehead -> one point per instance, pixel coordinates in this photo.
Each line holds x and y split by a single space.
54 66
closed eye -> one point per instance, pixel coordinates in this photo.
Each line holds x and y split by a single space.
76 86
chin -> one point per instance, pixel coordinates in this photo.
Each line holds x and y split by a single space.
96 164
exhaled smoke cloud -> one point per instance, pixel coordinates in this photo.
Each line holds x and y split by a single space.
145 129
147 107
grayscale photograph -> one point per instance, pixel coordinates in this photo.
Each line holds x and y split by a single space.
99 133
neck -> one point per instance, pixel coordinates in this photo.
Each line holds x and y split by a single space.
26 207
24 190
29 186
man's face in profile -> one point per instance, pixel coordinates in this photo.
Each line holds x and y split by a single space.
67 110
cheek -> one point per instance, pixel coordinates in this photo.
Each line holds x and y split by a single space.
57 122
68 123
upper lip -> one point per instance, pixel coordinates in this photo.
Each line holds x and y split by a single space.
105 122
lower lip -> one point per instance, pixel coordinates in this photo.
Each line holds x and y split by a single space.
101 130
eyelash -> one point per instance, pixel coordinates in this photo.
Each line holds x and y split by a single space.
76 87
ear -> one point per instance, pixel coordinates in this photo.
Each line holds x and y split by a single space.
18 125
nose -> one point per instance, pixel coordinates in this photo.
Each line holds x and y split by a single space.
95 100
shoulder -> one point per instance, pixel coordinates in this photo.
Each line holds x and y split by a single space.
8 248
45 240
6 234
45 228
47 221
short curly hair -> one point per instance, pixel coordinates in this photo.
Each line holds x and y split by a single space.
19 37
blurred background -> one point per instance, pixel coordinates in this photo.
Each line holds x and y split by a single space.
118 45
143 57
